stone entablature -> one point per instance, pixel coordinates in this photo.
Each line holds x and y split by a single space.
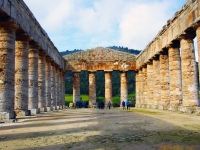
184 21
100 58
16 11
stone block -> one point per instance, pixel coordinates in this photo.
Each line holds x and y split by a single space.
43 109
49 109
22 113
4 116
35 111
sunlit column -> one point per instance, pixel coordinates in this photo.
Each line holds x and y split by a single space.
123 87
76 87
92 89
108 87
156 72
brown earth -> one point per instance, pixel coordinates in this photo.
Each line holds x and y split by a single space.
115 129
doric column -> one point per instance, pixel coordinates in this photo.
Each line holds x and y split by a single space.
175 77
41 81
7 71
198 46
123 87
33 79
156 71
140 88
136 89
53 86
63 89
144 100
48 84
21 75
56 87
150 84
92 89
108 87
60 89
76 87
189 73
164 81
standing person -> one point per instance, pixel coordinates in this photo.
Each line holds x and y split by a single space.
109 104
128 104
123 105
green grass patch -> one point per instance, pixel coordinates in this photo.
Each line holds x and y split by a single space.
115 99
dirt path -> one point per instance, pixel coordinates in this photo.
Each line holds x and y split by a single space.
84 129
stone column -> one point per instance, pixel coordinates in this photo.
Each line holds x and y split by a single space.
60 89
48 84
189 73
164 81
92 89
175 78
144 93
7 71
63 89
136 89
41 82
156 71
76 87
198 46
140 88
56 87
150 84
33 79
123 87
108 87
21 75
52 86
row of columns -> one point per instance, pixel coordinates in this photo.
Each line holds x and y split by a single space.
30 82
169 81
92 87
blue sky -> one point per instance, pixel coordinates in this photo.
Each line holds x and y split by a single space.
85 24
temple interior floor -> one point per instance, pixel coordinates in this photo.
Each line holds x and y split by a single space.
116 129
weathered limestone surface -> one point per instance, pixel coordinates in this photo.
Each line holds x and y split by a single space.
164 82
144 101
7 58
150 84
56 88
63 89
157 88
183 19
92 89
100 59
139 86
33 79
53 86
76 87
124 88
108 87
198 47
48 84
21 75
189 73
41 81
23 17
175 77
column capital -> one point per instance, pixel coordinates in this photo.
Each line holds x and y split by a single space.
20 36
9 23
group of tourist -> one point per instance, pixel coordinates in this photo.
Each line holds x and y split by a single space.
126 104
81 104
101 105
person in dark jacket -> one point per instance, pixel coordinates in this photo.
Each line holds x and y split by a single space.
109 104
123 105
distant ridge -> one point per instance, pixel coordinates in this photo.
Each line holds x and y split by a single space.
118 48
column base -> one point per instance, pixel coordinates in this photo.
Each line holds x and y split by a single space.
43 109
187 109
57 107
61 107
144 106
53 108
34 111
149 106
21 113
174 108
4 116
163 107
49 109
64 107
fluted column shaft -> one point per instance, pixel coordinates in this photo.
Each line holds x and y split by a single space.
92 89
137 89
63 89
150 84
175 77
60 89
7 70
41 81
76 87
53 86
164 81
108 87
56 87
198 47
144 93
33 78
123 87
189 73
21 75
156 95
48 83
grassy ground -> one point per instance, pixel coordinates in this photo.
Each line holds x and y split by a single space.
115 99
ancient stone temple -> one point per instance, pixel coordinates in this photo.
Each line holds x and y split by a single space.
32 71
97 59
168 63
29 62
